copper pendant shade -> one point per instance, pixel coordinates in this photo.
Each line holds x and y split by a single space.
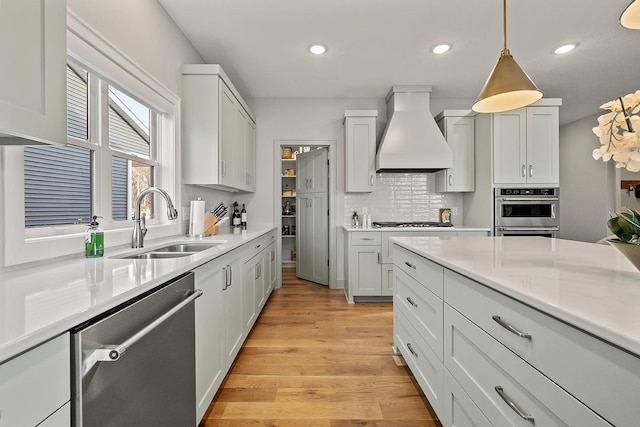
508 86
631 16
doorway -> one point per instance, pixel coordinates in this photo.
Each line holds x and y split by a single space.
285 178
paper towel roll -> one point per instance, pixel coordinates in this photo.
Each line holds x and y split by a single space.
196 219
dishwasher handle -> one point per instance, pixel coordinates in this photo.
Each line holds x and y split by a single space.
113 353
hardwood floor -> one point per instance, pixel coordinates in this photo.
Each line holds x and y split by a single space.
312 360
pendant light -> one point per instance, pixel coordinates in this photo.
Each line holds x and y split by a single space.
631 16
508 87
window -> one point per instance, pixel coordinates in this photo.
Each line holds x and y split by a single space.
121 126
58 180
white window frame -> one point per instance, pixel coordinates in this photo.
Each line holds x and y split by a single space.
91 51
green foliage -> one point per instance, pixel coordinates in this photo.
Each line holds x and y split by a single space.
626 225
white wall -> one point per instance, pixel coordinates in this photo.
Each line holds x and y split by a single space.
587 186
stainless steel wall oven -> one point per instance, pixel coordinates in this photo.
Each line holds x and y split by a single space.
527 212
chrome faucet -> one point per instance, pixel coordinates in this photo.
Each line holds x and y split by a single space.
140 223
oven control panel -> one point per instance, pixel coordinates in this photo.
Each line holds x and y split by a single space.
527 192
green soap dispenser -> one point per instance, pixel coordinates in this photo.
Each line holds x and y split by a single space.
94 240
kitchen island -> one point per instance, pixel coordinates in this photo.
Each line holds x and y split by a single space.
549 325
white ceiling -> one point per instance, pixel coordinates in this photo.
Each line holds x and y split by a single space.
375 44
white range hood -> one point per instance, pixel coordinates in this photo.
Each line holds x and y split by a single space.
411 141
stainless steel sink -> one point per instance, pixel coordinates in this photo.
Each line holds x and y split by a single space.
174 250
157 255
187 247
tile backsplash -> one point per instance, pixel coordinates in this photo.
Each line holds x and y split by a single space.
404 197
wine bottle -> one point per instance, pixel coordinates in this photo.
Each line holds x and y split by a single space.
236 219
243 217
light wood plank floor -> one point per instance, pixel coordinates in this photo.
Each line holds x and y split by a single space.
312 360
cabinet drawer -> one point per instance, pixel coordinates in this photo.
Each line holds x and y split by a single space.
367 238
493 376
427 369
35 384
422 307
458 408
258 245
428 273
605 378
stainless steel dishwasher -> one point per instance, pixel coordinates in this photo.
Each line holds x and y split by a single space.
135 365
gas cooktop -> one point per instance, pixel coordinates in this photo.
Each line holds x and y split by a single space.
403 224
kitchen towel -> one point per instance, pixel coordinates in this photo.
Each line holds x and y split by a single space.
196 220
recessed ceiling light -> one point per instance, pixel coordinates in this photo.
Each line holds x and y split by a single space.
565 48
441 48
317 49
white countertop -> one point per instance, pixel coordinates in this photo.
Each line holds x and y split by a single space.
590 286
39 303
405 229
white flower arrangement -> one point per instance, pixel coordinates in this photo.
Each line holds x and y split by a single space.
617 132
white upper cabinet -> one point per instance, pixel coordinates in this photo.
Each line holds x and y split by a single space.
360 150
32 72
458 128
218 131
526 146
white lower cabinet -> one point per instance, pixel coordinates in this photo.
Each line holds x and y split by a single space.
425 365
221 313
60 418
37 384
218 330
457 407
509 391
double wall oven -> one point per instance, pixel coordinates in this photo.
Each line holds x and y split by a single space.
527 212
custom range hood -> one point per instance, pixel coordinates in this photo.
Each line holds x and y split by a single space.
411 140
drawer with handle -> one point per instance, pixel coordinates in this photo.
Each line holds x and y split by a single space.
427 369
602 376
366 238
503 386
422 307
428 273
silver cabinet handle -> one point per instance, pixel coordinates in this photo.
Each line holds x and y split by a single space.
510 328
310 182
411 350
371 180
114 353
450 179
258 247
530 170
366 238
524 171
410 265
513 404
379 258
226 277
411 302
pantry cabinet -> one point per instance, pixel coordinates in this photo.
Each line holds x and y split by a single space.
218 131
33 86
458 128
526 146
360 150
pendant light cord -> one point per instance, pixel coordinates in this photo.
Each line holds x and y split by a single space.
504 23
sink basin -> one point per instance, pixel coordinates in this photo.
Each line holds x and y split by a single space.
174 250
157 255
187 247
